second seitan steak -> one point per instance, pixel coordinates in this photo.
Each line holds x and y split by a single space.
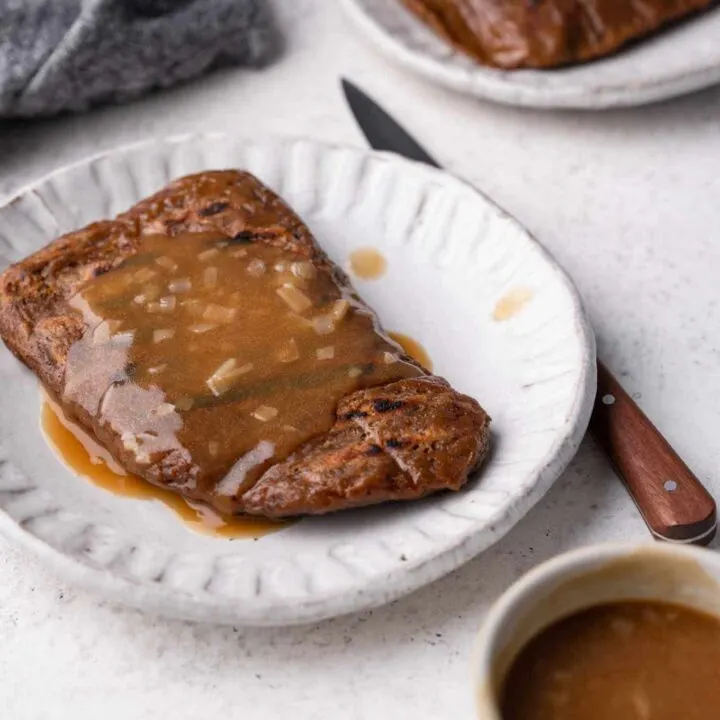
547 33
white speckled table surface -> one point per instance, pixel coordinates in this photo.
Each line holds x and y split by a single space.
626 200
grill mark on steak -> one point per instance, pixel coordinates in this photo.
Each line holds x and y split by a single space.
214 209
383 405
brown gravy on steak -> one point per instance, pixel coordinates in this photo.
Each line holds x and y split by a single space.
636 660
91 461
229 353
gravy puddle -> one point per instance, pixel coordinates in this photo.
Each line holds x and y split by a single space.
88 459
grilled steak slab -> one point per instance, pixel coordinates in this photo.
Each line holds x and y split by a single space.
205 339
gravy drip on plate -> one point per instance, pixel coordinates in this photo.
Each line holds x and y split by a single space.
636 660
226 354
367 264
512 303
413 348
91 461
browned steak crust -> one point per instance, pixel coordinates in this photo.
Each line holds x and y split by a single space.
396 442
547 33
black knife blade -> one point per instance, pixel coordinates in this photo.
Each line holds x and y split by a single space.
644 459
381 130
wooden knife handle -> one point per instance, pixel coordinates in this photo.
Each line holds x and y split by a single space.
673 502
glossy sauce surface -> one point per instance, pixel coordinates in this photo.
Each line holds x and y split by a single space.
621 661
226 355
89 460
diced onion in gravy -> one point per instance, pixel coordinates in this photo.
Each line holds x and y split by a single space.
165 305
160 335
303 269
230 485
219 314
144 274
180 285
339 310
166 263
210 276
219 386
225 368
256 267
265 413
208 254
325 353
194 307
201 328
289 352
150 292
295 299
226 376
354 372
323 325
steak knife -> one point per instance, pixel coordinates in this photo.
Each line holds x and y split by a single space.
674 504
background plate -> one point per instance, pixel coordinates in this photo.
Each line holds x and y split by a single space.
677 61
452 255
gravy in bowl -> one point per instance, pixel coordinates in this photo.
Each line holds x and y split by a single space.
628 660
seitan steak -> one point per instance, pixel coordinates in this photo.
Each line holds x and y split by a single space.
547 33
205 339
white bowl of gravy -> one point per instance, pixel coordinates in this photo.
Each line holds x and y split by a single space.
621 632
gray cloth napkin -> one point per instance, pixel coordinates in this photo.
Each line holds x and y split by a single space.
58 55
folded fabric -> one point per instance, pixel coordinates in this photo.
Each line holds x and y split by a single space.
58 55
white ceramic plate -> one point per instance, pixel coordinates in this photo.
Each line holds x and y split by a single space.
452 255
680 60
